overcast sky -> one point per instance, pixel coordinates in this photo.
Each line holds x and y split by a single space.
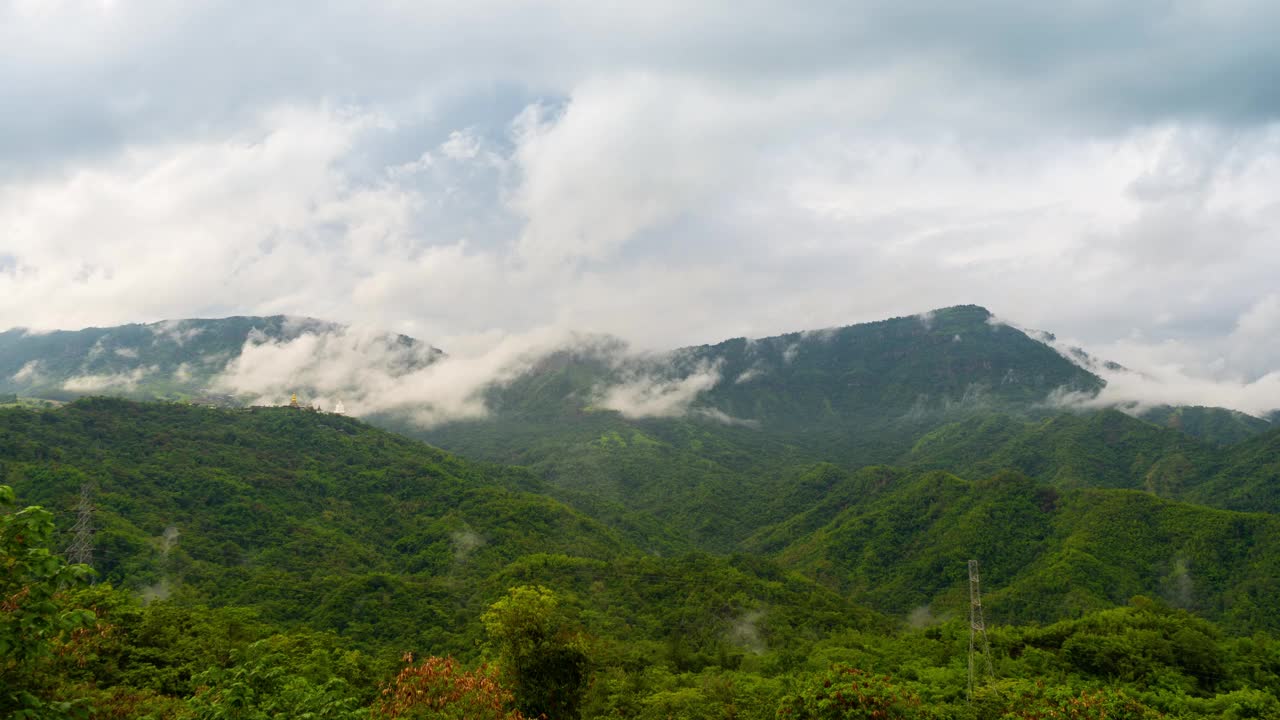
670 172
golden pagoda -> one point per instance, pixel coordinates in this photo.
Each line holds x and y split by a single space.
293 401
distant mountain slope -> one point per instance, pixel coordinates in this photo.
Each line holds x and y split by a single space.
1109 449
1219 426
1098 449
1249 477
856 395
944 359
1044 553
171 359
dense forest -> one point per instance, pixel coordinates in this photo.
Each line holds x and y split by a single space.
283 563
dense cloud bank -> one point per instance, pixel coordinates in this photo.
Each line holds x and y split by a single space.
488 173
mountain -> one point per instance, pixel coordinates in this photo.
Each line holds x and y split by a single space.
1098 449
899 541
693 448
267 507
1109 449
1248 478
319 520
944 361
708 564
175 359
1219 426
856 395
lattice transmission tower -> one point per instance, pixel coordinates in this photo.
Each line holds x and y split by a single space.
978 642
81 548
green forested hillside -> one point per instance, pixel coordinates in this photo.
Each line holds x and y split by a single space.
268 507
899 541
1214 425
275 562
1249 476
803 525
1098 449
857 393
1108 449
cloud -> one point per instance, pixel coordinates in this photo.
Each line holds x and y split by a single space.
649 396
724 418
465 542
372 372
1229 370
626 154
666 172
120 382
177 332
461 145
29 372
744 631
1172 384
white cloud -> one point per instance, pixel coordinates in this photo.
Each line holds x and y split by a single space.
29 372
177 332
119 382
1172 384
668 172
724 418
628 154
648 396
461 145
371 372
1173 372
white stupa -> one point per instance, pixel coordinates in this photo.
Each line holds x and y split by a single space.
339 408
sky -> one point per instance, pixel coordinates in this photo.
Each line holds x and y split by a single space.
666 172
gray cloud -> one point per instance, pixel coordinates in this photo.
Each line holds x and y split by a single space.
478 174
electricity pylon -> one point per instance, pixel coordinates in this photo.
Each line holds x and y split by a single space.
81 548
977 630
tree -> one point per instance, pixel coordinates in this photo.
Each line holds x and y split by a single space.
545 666
440 689
846 693
34 626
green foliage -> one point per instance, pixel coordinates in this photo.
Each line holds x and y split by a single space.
900 542
852 694
282 677
545 664
35 628
1217 426
1023 700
